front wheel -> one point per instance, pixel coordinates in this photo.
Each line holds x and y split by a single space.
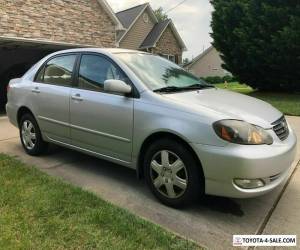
172 173
31 136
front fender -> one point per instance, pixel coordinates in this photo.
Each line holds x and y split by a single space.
151 118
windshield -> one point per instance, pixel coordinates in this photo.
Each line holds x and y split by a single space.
157 72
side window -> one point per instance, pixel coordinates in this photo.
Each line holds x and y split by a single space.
95 70
58 71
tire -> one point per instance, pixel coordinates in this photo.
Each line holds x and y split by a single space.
31 137
172 173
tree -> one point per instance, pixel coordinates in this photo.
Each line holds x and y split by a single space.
160 14
259 41
185 61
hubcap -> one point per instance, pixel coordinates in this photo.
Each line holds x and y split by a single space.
168 173
28 135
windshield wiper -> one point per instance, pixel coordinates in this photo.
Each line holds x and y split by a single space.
198 86
168 89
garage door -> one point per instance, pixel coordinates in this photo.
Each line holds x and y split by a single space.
18 55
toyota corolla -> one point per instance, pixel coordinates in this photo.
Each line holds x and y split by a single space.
185 137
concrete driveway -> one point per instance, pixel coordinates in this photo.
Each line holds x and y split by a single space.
210 223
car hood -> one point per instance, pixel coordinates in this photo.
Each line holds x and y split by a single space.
230 104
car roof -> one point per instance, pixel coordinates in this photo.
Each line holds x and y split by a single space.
100 50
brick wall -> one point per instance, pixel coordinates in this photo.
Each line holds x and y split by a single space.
168 44
71 21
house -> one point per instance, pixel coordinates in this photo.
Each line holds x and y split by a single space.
144 32
209 63
31 29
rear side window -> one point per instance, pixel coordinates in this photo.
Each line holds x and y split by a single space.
58 71
95 70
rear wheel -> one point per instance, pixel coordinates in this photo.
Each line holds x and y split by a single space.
31 136
172 173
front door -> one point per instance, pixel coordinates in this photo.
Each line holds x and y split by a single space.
101 122
53 89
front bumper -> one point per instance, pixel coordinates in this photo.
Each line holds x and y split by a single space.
221 165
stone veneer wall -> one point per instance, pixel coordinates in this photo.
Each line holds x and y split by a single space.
168 44
70 21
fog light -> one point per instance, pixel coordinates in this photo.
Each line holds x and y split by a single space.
248 184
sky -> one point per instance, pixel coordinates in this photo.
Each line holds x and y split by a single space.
192 20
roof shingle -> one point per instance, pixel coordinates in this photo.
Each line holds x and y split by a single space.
128 16
154 34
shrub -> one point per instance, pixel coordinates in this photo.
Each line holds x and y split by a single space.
218 79
229 78
213 79
259 41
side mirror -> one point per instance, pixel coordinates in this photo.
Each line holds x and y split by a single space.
117 86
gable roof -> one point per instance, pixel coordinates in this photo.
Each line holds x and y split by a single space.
197 58
130 16
111 14
156 33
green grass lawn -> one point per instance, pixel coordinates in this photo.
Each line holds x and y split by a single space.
287 103
40 212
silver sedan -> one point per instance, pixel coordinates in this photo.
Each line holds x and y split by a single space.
185 137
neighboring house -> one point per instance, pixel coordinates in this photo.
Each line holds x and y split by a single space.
209 63
33 28
144 32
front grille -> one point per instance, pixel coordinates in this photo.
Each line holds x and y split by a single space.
281 129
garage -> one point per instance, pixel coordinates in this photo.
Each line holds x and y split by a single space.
18 55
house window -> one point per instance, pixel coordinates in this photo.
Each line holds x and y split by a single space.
172 58
165 56
146 18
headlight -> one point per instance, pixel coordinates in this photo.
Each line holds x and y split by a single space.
241 132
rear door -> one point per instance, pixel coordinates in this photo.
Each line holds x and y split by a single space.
52 90
101 122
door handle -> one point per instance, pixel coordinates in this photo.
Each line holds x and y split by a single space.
77 97
36 90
